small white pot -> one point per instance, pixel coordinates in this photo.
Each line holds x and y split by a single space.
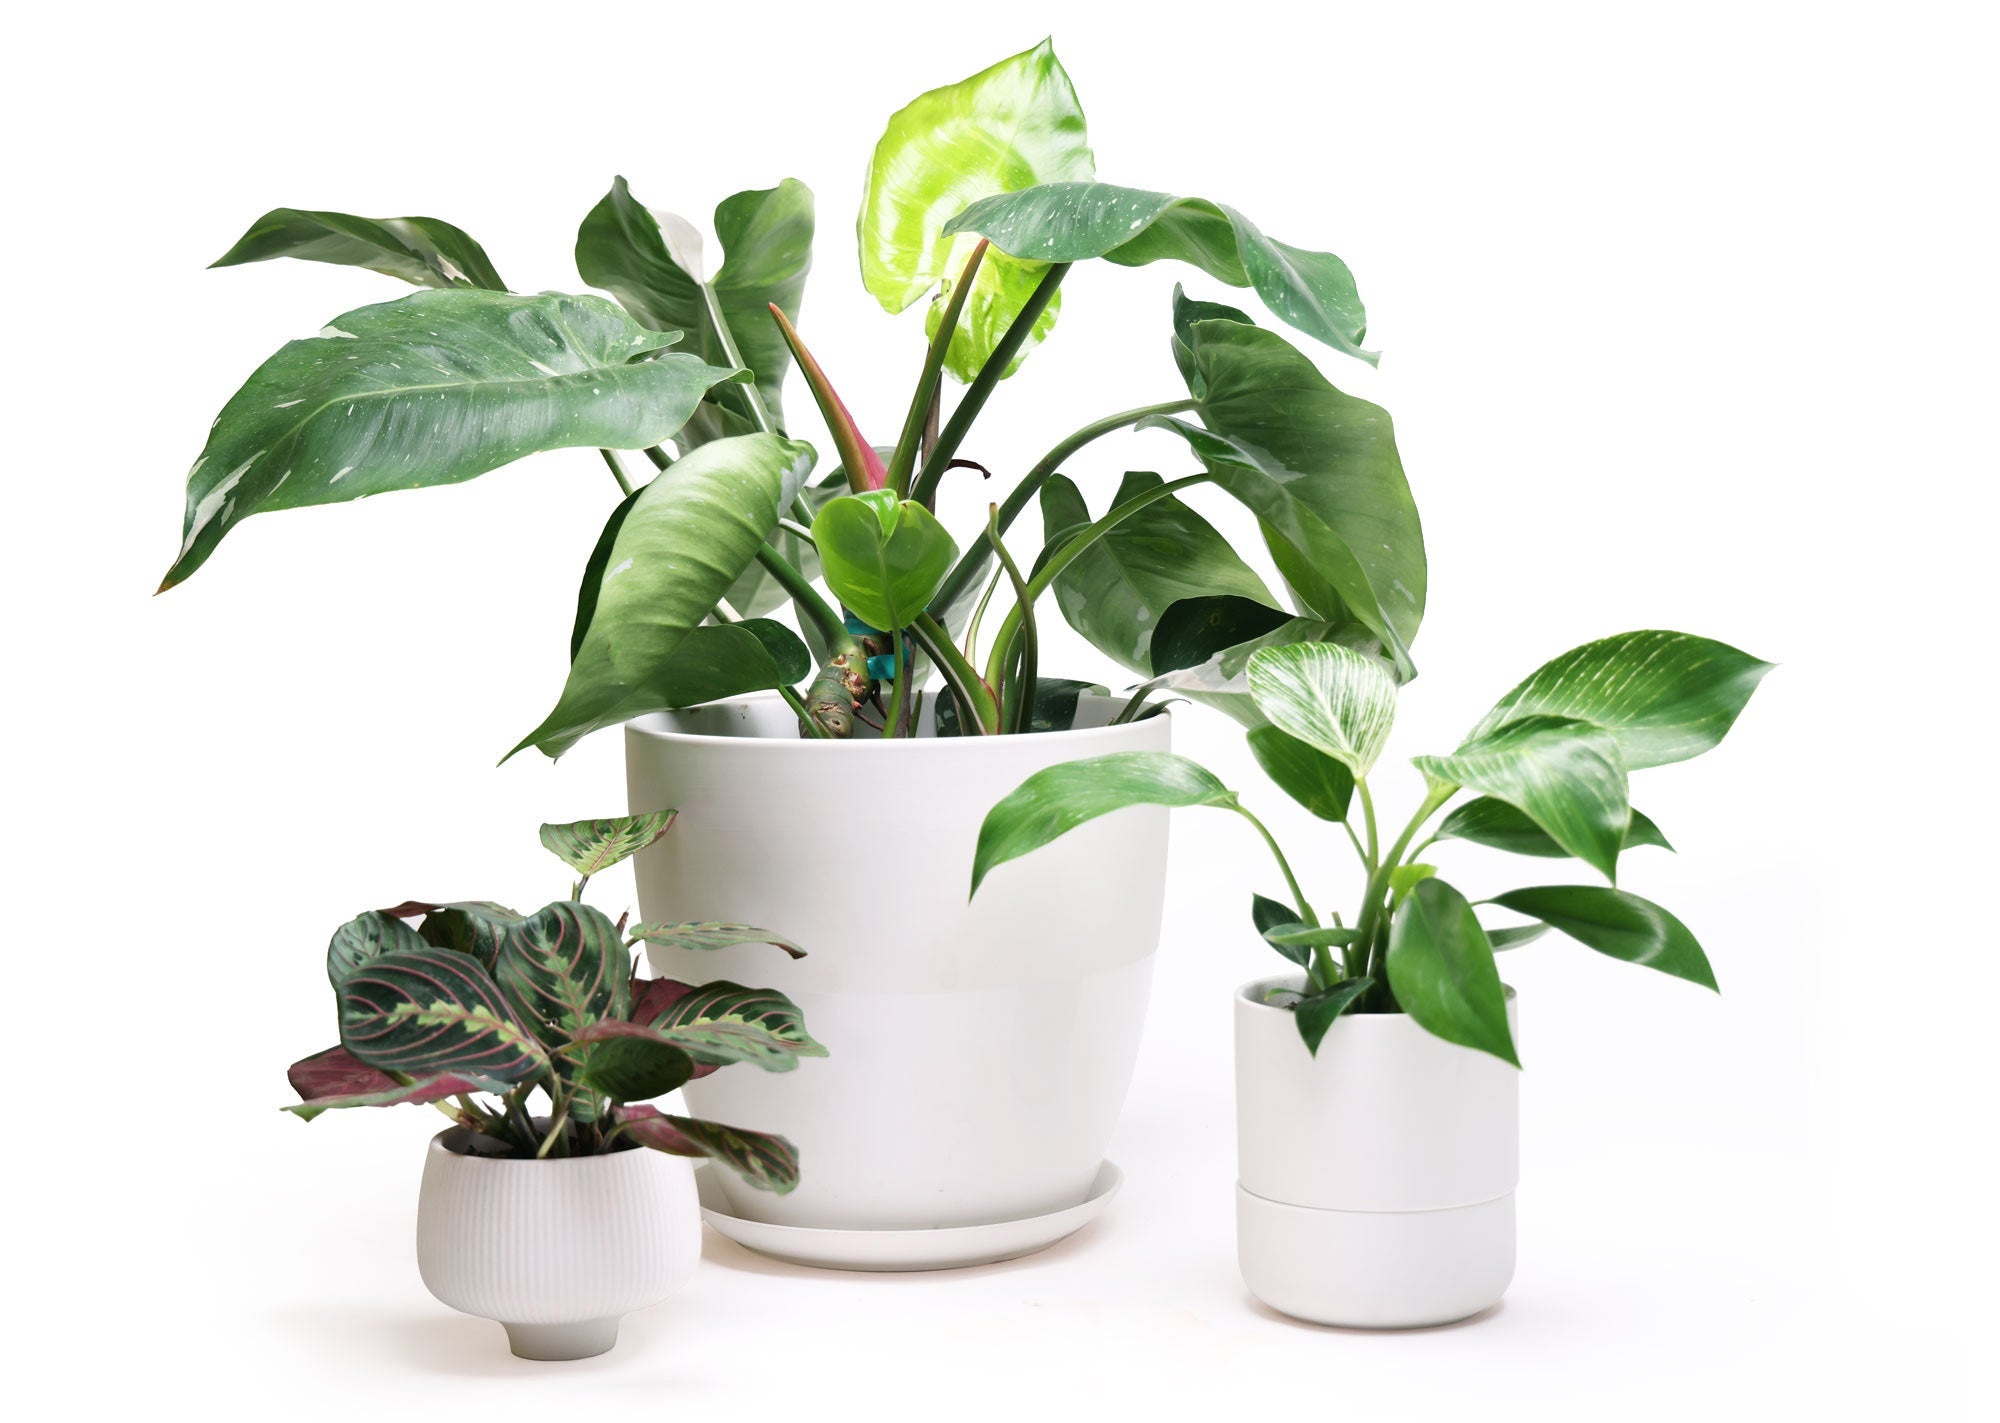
1375 1181
979 1051
557 1251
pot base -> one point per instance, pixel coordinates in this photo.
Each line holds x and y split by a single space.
580 1339
1375 1269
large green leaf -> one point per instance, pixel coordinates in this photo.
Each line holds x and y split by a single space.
1317 781
433 389
1500 826
592 846
883 557
425 1011
1013 125
1115 591
1566 775
1054 801
1075 221
365 937
658 276
768 1162
721 1023
1318 467
1334 699
1442 972
564 968
1616 923
1664 696
675 548
421 250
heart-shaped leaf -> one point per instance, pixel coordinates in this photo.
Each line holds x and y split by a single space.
1497 824
1334 699
1308 775
592 846
364 938
1616 923
711 935
720 1023
433 389
1442 972
336 1078
426 1011
420 250
1566 775
565 967
763 1160
1314 1013
883 557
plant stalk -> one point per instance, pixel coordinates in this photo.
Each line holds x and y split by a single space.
976 701
759 411
1018 689
923 402
617 473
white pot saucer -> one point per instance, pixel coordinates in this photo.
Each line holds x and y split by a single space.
943 1248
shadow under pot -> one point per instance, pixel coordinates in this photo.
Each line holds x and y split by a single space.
558 1251
1375 1181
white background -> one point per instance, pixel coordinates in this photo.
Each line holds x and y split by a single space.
1687 315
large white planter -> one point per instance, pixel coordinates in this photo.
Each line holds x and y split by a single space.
557 1251
979 1052
1375 1181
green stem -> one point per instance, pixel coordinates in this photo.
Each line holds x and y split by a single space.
1306 915
806 718
617 473
660 458
899 686
759 411
832 628
975 699
1375 897
923 401
960 425
1021 692
1368 814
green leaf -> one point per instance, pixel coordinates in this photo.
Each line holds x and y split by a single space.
1057 700
1515 935
708 935
433 389
365 937
1664 696
766 238
1566 775
592 846
1193 630
1616 923
1054 801
1116 590
336 1078
768 1162
1310 936
1336 700
1271 917
1314 1013
635 1067
1308 775
564 968
1013 125
1405 878
720 1023
883 557
1221 682
425 1011
681 542
1075 221
755 592
1499 825
421 250
476 927
1442 972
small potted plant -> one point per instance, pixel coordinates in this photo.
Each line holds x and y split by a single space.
1377 1082
559 1199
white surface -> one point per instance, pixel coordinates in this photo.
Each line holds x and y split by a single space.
941 1248
1687 316
978 1052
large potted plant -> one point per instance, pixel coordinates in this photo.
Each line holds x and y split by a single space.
1377 1083
791 653
560 1198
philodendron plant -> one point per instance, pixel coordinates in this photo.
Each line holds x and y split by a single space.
980 196
1544 774
477 1010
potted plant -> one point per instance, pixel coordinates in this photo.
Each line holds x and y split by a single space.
555 1219
1377 1082
899 691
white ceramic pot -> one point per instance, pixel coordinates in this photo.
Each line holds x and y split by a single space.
1375 1181
979 1052
557 1251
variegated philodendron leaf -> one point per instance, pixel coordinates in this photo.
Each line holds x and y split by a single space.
591 846
366 937
565 967
336 1078
1334 699
1566 775
724 1022
711 935
425 1011
768 1162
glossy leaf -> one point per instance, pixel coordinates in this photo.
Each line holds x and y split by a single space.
565 967
365 937
423 251
473 927
1116 590
711 935
676 547
768 1162
592 846
1334 699
336 1078
1616 923
1308 775
1664 696
755 592
1315 1012
1222 682
1193 630
1405 878
883 557
427 1011
1310 936
1500 826
635 1067
766 238
1566 775
433 389
1515 935
721 1023
1270 916
1442 972
1054 801
1075 221
1010 126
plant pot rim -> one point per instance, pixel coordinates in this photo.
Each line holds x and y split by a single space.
647 726
1253 994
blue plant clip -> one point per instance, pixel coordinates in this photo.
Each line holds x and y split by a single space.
860 629
882 668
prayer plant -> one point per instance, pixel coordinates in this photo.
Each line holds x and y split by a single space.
1547 768
981 196
474 1009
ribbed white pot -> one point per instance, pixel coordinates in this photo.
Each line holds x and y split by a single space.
1375 1181
557 1251
979 1052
